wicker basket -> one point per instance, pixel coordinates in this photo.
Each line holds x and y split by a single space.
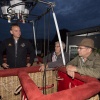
9 84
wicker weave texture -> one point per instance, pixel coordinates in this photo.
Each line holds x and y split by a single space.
9 84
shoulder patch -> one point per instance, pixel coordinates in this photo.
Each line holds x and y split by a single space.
23 45
9 44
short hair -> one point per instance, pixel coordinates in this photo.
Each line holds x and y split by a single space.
14 24
63 44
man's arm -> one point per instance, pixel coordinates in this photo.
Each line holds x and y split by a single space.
71 67
93 71
47 58
2 49
74 61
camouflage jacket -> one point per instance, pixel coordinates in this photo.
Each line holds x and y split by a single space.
90 67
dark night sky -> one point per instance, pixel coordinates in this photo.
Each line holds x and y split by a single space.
71 14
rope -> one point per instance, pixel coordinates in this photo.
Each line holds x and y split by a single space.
48 31
44 74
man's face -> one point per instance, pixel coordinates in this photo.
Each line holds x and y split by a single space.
15 31
83 51
57 48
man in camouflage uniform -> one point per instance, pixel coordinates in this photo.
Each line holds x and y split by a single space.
87 62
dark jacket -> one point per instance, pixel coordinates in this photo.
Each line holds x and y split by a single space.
58 63
17 56
91 67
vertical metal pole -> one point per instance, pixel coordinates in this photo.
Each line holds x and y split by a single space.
66 42
34 38
58 33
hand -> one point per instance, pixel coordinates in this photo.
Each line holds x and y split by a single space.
28 65
42 67
71 70
4 65
71 74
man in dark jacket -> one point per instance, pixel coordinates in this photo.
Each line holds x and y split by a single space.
54 59
17 49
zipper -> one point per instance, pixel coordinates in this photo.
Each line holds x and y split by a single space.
15 51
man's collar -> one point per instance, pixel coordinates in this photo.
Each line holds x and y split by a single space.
91 56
